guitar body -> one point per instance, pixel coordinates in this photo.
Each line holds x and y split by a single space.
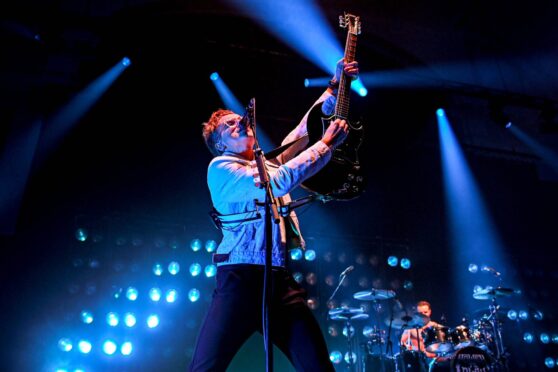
341 178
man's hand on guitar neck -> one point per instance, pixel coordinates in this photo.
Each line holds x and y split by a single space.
349 69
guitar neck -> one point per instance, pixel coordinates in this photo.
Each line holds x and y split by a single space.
343 95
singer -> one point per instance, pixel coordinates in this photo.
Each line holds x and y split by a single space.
235 312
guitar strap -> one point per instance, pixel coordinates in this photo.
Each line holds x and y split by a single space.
279 150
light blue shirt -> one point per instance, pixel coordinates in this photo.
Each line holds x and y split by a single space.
231 183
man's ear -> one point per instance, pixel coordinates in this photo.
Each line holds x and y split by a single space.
220 146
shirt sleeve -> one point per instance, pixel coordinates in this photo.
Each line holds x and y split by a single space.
299 131
231 179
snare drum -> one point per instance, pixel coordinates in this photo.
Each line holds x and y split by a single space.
437 339
461 337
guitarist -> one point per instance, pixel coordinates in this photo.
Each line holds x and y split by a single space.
235 311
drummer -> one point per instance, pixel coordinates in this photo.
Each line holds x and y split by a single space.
411 338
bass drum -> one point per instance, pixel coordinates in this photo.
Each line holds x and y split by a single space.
469 358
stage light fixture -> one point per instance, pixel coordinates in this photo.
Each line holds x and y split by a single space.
195 269
84 346
174 268
196 245
130 319
109 347
155 294
296 254
86 317
126 348
210 246
171 295
112 319
392 261
158 269
310 255
152 321
132 293
81 234
193 295
65 344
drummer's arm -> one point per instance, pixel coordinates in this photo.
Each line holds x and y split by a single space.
404 337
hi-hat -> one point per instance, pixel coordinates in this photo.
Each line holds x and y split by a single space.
345 313
374 294
409 320
489 293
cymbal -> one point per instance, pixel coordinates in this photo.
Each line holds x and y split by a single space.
489 293
346 313
374 294
349 317
409 320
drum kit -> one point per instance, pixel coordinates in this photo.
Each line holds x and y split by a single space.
467 347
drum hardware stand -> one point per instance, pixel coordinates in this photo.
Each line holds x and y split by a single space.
352 362
501 354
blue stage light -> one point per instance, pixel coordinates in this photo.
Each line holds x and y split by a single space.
549 362
473 268
126 61
512 314
210 270
155 294
214 76
362 91
132 293
440 112
84 346
545 338
86 317
129 319
81 234
65 344
508 125
194 295
296 254
392 261
171 295
306 83
310 255
350 358
523 315
174 268
528 337
158 269
298 277
196 245
112 319
336 357
405 263
210 246
152 321
195 269
126 348
109 347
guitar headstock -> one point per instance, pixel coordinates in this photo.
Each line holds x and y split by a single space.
350 21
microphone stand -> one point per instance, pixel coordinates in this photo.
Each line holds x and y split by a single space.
337 288
270 213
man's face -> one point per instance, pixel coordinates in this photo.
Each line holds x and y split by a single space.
236 137
425 310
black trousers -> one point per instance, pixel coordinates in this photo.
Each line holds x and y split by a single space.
236 313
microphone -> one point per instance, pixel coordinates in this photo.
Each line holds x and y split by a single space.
488 269
346 271
249 117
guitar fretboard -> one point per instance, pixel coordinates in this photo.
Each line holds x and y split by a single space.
343 95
